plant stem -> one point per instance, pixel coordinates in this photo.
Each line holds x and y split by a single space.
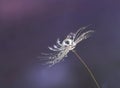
88 69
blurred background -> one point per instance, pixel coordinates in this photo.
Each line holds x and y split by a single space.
28 27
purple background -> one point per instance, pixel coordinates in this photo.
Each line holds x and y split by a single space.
28 27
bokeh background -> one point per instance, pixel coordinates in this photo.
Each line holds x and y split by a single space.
28 27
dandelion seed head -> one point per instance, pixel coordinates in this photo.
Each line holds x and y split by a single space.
62 48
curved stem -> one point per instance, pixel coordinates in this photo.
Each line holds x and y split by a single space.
88 69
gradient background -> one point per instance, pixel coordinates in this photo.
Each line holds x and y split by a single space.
28 27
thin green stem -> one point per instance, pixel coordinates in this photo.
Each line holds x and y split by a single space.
88 69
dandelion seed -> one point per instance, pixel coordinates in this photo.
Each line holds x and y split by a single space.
69 44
